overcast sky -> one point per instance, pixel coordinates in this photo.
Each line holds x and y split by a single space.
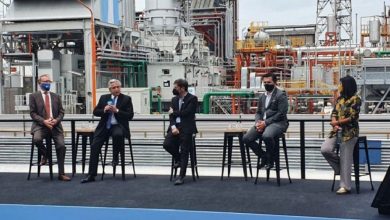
288 12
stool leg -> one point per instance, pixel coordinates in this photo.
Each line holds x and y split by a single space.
39 163
368 161
104 159
257 169
356 166
195 158
249 160
192 158
230 149
31 160
50 156
122 152
334 181
277 161
132 156
243 157
172 168
74 155
286 157
83 152
224 154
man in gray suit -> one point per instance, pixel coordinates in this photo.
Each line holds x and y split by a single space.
270 121
47 112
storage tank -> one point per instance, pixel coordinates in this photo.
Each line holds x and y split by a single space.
127 8
162 16
260 37
331 21
375 35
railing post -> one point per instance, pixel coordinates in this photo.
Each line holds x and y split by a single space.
302 148
163 125
73 135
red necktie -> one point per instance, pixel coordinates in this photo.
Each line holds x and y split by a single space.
47 105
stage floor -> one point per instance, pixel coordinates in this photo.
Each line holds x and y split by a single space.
310 198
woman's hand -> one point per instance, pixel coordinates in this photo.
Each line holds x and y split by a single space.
334 123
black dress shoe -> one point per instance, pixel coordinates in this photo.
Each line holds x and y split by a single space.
179 181
88 179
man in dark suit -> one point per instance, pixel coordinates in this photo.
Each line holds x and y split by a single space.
115 110
47 112
181 127
270 121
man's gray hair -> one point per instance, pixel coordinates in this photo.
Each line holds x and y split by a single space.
43 75
114 81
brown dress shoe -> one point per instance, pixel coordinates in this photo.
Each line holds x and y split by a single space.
64 178
43 161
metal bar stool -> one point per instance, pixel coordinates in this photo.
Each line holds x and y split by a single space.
85 134
276 155
49 154
194 162
356 151
228 146
122 154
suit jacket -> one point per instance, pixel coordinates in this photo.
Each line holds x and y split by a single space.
125 114
276 110
37 111
186 113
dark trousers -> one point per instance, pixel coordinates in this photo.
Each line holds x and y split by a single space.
118 141
58 137
269 135
179 147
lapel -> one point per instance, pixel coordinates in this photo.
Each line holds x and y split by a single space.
40 102
272 97
263 98
53 104
119 100
185 100
176 103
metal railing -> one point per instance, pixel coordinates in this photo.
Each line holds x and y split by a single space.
220 126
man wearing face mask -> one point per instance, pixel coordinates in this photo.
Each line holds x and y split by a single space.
182 126
47 112
270 121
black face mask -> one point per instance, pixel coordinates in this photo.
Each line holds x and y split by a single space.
269 87
175 92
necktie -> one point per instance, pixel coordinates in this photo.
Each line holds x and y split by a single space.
108 124
47 105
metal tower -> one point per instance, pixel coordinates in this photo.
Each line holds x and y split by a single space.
334 22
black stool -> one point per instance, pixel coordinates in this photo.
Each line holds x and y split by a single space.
356 149
49 155
85 134
228 144
194 162
276 156
123 163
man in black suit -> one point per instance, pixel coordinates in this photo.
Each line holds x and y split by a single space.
270 121
181 127
47 113
115 110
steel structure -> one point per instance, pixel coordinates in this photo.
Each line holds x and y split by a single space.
104 39
334 22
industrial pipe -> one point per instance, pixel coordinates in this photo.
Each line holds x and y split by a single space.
93 54
207 96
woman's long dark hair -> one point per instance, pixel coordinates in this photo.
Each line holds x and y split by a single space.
349 87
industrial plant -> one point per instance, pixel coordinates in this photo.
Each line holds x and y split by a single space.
83 44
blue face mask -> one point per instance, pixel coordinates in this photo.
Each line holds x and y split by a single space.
45 86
